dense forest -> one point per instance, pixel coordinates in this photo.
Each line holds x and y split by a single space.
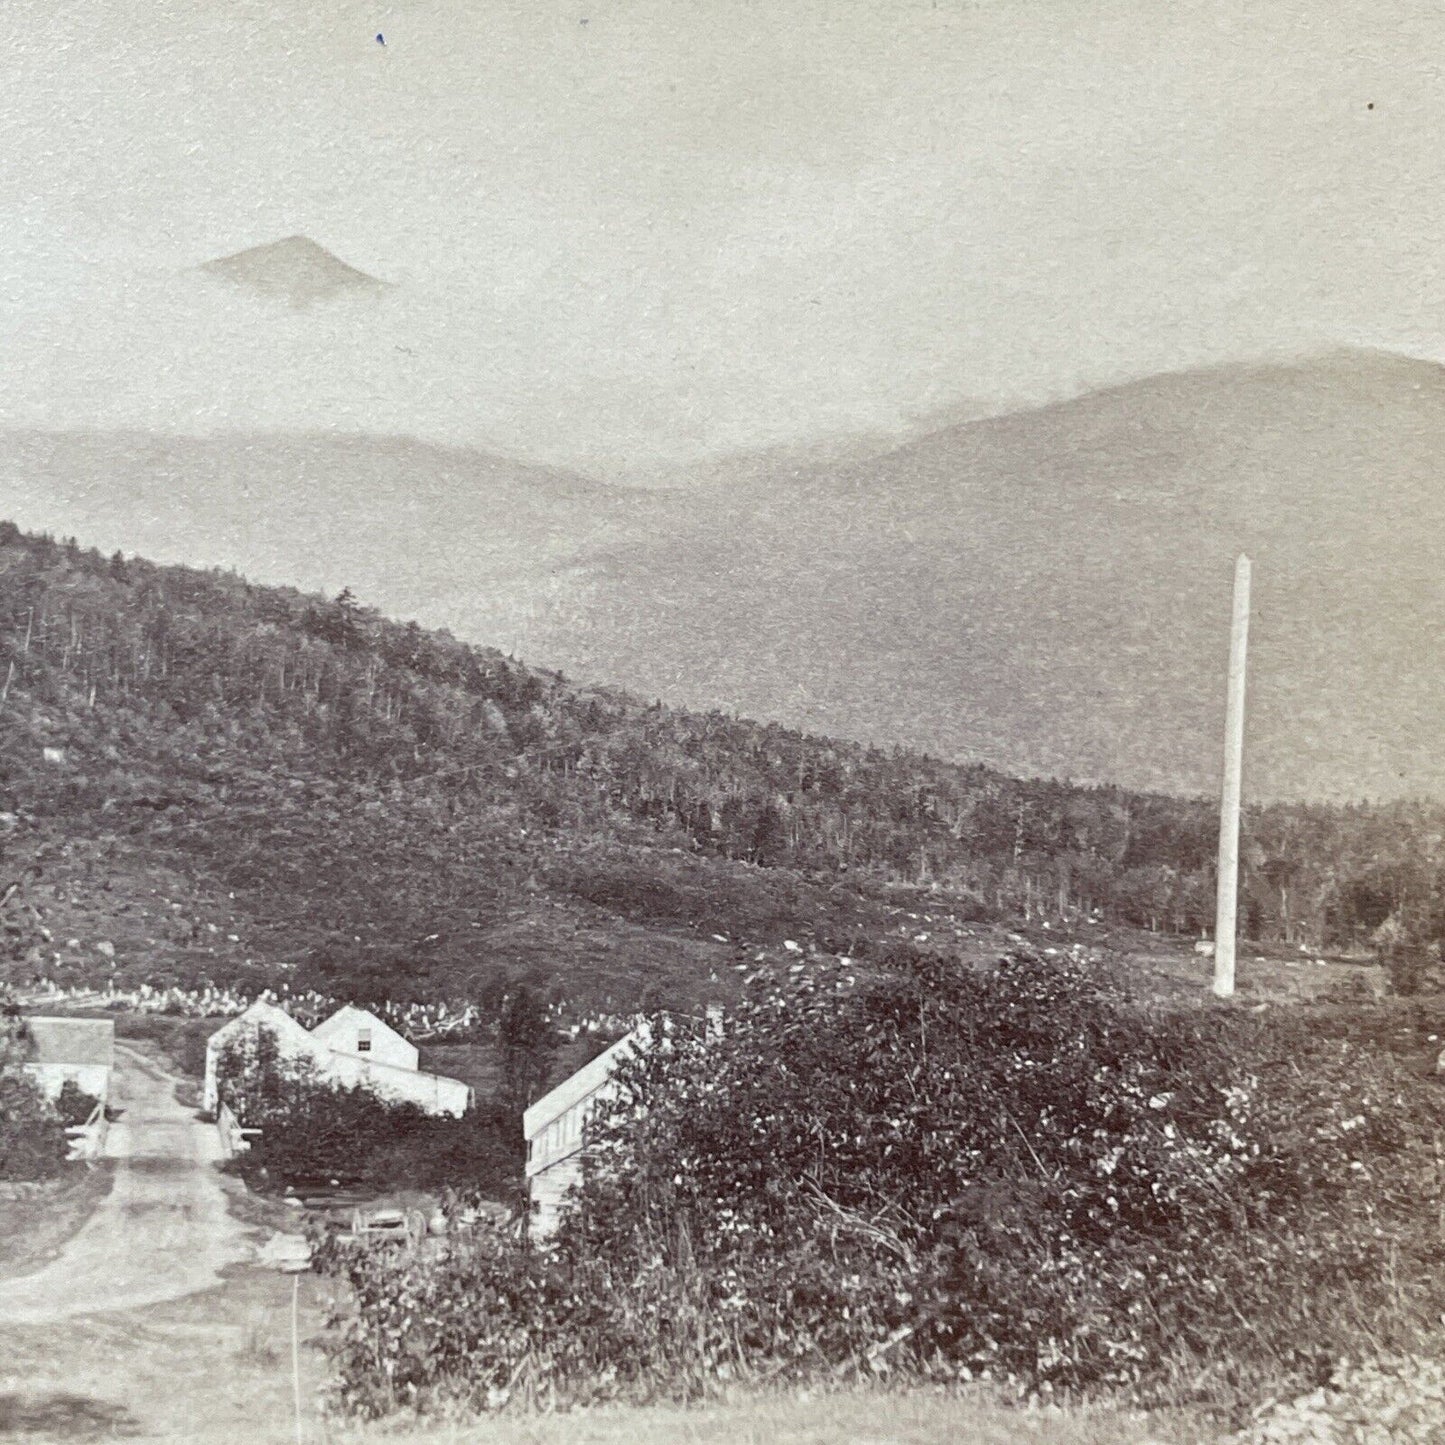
206 779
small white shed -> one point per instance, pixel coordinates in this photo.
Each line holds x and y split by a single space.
81 1051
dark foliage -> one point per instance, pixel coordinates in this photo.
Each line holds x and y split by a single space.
922 1171
526 1042
74 1105
311 1127
33 1144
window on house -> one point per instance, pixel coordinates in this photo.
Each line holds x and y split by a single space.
363 1041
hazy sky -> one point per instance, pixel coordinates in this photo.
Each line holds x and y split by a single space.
632 231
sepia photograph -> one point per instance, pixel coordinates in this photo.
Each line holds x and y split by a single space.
722 721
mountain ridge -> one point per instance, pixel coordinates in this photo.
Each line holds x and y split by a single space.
1044 590
1071 565
295 269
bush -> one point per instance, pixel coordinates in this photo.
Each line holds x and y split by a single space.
918 1170
33 1145
1408 970
74 1105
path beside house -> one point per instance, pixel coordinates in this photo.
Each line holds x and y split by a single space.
161 1233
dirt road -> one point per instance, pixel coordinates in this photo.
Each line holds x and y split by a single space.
161 1233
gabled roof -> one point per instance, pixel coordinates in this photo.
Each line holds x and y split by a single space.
348 1016
264 1014
71 1042
584 1083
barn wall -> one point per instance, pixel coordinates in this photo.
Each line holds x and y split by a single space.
342 1032
94 1079
562 1137
292 1040
554 1127
433 1092
547 1189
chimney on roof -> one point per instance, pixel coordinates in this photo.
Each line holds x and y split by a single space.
714 1021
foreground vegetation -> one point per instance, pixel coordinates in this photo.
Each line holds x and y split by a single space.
921 1173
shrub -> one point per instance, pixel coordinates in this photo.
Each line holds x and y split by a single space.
1409 970
33 1145
917 1169
74 1105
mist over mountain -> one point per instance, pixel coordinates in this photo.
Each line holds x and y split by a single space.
1050 590
1045 591
457 538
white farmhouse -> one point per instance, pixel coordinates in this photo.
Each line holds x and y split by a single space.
351 1048
554 1126
61 1050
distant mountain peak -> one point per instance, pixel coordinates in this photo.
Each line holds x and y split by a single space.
296 270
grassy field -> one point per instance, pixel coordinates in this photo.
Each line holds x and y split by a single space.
845 1419
213 1367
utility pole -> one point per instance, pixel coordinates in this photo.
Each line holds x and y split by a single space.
1227 898
296 1352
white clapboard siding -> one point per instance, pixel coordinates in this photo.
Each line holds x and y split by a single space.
554 1128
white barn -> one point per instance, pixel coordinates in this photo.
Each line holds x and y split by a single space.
352 1030
61 1050
554 1126
351 1048
293 1041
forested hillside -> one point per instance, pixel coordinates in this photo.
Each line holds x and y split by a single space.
1046 592
209 780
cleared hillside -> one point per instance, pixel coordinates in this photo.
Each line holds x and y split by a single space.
249 785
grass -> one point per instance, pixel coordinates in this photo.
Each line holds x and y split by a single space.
178 1044
215 1369
855 1418
35 1228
